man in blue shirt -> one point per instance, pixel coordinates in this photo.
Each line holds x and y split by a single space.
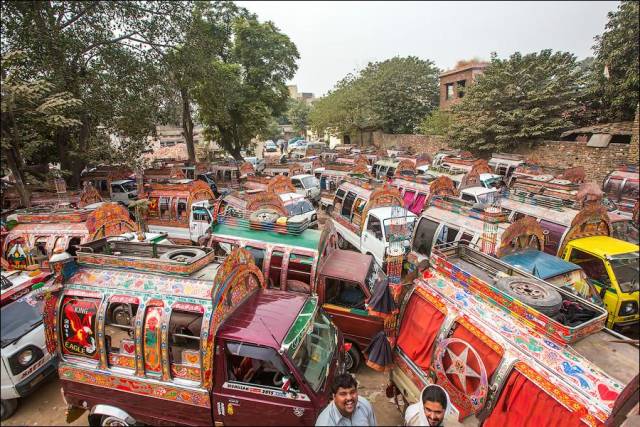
346 409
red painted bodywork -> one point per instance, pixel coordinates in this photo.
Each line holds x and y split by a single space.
358 326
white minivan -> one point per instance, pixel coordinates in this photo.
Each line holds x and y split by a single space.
124 191
25 360
308 186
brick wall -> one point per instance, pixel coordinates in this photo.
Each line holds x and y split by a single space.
597 162
635 140
420 143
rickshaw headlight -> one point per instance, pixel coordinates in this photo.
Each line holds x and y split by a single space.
628 308
25 357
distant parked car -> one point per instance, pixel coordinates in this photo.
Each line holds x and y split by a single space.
270 147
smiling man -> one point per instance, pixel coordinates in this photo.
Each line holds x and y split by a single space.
346 409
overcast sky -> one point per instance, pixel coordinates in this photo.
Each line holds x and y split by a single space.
335 38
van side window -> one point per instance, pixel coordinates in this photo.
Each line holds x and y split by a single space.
344 294
348 204
446 235
119 334
78 321
184 344
164 203
468 197
275 269
201 215
181 209
297 183
593 266
300 268
258 256
260 366
374 227
424 236
340 194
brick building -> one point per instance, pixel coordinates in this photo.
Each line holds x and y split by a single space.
453 82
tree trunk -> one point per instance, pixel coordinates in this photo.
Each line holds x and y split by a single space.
13 160
187 125
83 147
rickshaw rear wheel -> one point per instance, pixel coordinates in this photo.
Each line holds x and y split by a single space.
352 360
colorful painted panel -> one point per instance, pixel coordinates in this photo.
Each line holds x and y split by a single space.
145 283
185 372
152 356
122 361
135 386
78 322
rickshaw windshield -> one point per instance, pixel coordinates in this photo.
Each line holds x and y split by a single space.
314 351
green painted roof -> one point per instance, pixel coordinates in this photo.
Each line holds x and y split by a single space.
308 239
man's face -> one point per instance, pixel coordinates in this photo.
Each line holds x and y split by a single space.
434 412
345 400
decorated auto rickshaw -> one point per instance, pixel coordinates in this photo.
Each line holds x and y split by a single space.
163 334
39 233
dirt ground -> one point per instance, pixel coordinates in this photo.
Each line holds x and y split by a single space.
45 406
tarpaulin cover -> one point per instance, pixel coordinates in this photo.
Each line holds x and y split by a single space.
523 403
420 324
408 197
418 204
379 354
381 302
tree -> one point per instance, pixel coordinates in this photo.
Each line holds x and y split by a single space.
100 53
392 95
615 83
31 112
518 100
298 115
272 131
436 123
245 83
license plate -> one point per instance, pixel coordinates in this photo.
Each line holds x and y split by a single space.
37 379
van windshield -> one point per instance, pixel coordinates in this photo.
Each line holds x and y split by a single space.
20 317
625 268
313 354
309 181
129 186
299 207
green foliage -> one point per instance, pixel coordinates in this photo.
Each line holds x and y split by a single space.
298 115
272 131
436 123
518 100
617 50
245 79
392 95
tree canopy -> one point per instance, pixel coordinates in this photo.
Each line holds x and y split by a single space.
245 85
518 100
615 86
392 95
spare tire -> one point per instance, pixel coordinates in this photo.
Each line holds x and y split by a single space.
536 295
183 255
264 216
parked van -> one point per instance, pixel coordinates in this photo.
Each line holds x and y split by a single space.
372 220
40 232
308 261
113 183
463 327
181 210
26 362
307 186
140 327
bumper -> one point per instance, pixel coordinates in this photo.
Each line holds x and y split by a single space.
30 384
627 324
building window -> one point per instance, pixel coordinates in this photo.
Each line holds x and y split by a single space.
449 91
461 86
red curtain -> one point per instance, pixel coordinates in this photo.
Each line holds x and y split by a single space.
522 403
418 204
420 325
408 197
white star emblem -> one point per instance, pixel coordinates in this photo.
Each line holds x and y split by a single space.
460 367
